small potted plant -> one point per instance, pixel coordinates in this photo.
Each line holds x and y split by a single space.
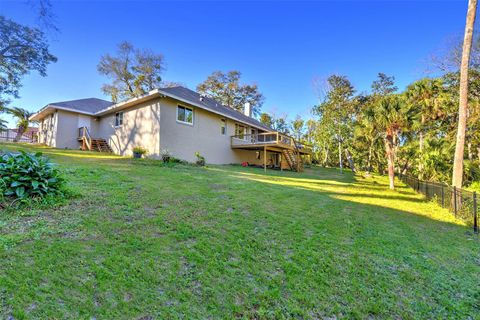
138 152
200 159
166 156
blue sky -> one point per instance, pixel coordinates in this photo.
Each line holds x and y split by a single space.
282 46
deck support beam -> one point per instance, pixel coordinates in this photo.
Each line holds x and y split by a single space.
265 158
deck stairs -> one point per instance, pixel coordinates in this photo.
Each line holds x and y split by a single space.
92 144
100 145
294 159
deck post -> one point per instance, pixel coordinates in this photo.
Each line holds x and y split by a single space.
265 158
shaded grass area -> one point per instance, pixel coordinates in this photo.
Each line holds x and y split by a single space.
146 241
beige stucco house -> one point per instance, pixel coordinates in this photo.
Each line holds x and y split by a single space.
175 119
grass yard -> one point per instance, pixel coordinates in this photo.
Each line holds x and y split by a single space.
144 241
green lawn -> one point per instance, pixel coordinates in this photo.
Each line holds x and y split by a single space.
144 241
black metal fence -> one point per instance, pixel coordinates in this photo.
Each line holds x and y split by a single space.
10 135
460 202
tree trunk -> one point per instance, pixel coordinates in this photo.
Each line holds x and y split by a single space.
20 131
478 153
463 103
325 160
340 155
390 160
350 160
470 153
369 161
405 167
421 133
421 139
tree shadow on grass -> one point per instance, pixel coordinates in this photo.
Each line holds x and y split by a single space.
405 201
387 233
274 243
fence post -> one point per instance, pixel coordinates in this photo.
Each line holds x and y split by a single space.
475 223
443 197
455 200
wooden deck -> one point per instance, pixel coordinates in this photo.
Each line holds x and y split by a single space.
293 152
274 141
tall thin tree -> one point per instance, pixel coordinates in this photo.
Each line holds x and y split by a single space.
463 103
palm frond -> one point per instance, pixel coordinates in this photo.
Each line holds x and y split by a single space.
3 125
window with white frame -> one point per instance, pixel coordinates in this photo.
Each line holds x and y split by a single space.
185 114
223 126
118 119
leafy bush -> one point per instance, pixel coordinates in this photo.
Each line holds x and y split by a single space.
140 150
475 186
26 175
471 171
166 155
200 159
176 160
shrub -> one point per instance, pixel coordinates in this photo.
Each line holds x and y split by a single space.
139 150
200 159
471 171
166 156
475 186
26 175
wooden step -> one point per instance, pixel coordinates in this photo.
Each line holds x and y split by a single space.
101 145
294 159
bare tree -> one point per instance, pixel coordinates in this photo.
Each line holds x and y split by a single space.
133 72
228 90
449 57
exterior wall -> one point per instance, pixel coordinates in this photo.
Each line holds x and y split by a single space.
60 129
67 130
141 127
183 140
154 126
47 132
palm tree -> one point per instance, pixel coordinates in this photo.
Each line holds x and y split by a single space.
3 125
391 116
427 96
23 120
457 177
367 132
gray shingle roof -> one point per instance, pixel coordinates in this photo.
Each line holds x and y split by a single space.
213 105
90 105
95 105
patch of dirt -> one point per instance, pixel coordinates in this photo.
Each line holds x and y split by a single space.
127 297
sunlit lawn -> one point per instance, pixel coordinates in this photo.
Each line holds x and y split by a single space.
144 241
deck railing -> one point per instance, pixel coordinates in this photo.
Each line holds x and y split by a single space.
84 135
261 139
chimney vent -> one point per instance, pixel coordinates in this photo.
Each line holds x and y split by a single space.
247 109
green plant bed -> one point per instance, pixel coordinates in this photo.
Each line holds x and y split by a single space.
27 177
